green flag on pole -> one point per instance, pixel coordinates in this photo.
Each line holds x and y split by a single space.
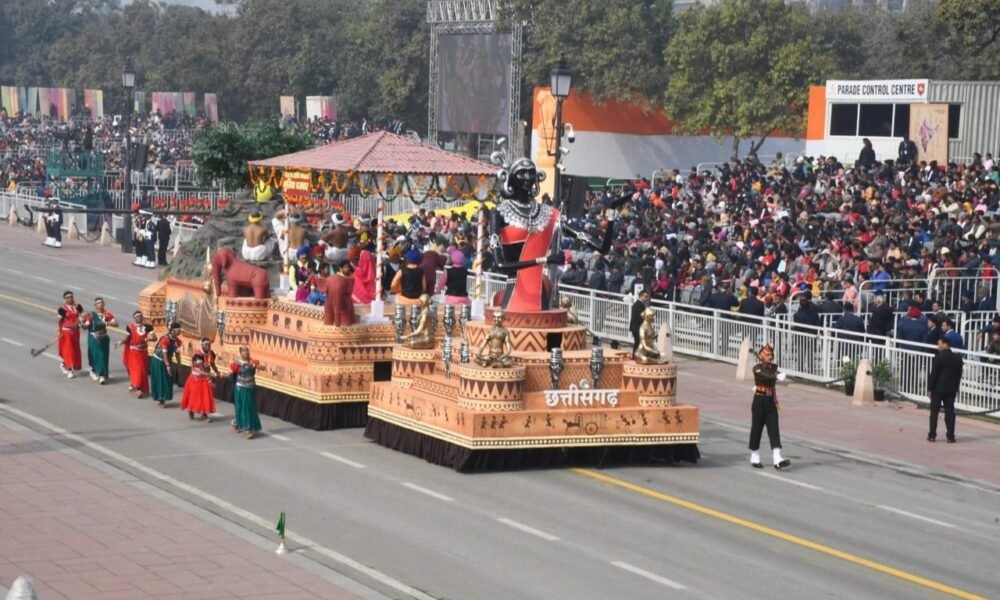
281 525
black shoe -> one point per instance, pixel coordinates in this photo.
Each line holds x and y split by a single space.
757 465
951 440
931 437
783 464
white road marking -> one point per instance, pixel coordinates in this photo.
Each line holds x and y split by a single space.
14 271
112 298
298 540
527 529
43 279
74 287
341 459
279 437
430 493
802 484
12 342
650 576
52 356
916 516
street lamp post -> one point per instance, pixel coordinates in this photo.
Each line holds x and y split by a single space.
561 84
128 82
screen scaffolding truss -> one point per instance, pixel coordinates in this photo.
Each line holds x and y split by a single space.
450 17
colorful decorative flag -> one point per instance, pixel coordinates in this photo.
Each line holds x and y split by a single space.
33 96
324 107
280 527
140 102
287 106
94 101
212 108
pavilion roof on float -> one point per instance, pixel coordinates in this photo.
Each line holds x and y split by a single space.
381 152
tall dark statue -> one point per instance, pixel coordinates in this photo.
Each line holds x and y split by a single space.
521 233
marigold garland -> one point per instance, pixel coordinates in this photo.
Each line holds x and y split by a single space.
332 183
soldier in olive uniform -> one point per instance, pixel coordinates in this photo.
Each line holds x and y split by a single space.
764 410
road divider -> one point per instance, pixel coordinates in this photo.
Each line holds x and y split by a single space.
528 529
431 493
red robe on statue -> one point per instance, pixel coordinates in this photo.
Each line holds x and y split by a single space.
69 336
136 356
529 285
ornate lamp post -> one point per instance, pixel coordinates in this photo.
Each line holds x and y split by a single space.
561 82
128 82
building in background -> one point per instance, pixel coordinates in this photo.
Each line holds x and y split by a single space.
618 140
948 120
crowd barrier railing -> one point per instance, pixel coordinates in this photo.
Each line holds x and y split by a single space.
810 353
72 213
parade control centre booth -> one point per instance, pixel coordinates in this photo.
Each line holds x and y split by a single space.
948 120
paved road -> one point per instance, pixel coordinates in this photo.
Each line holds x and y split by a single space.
832 527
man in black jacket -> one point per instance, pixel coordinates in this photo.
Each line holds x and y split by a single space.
880 321
805 340
635 320
942 387
163 236
751 305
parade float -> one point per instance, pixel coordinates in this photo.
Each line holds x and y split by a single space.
522 388
505 382
316 369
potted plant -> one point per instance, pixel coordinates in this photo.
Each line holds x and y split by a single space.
882 377
848 373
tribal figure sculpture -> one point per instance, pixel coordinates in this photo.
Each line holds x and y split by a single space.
521 233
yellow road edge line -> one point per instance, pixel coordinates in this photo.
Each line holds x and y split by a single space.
787 537
44 308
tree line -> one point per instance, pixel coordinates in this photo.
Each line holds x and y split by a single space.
737 65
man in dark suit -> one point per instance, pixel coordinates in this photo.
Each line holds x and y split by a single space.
880 321
849 322
751 305
635 320
163 235
807 321
942 387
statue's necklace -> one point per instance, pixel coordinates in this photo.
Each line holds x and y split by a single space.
532 216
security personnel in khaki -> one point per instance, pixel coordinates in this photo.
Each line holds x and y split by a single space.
764 411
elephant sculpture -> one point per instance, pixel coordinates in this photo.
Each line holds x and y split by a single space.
243 279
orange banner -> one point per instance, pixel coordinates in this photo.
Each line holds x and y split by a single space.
295 185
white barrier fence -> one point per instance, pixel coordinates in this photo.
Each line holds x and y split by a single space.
810 353
23 203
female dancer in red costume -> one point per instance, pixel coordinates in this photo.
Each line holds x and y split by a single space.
136 353
199 391
70 314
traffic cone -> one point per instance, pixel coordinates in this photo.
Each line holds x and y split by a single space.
40 228
22 589
106 238
12 216
74 231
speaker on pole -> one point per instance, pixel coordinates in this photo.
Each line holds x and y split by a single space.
140 156
574 189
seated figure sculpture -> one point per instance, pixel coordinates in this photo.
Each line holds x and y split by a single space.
422 338
257 242
646 353
571 316
496 348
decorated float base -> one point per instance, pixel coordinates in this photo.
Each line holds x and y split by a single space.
312 375
474 418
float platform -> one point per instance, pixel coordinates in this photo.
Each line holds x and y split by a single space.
474 418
